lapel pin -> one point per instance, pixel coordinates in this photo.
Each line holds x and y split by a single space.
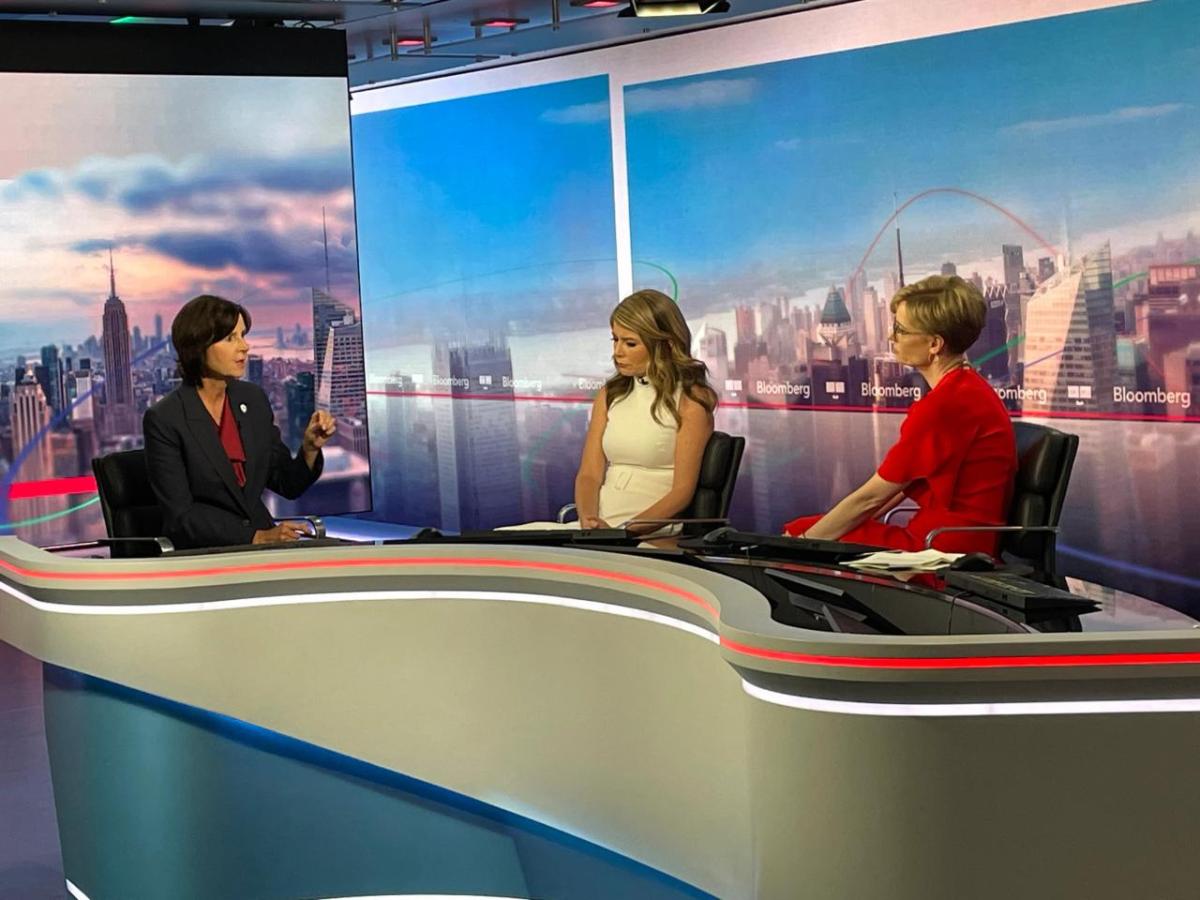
243 407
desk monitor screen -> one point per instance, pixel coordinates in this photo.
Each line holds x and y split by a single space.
142 166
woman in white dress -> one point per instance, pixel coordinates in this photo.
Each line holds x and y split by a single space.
650 422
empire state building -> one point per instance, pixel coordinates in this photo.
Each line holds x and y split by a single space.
118 370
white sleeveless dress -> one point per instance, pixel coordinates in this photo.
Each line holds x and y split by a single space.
640 453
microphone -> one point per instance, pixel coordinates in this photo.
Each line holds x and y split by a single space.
641 379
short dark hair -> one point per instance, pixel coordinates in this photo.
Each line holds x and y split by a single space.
945 305
202 322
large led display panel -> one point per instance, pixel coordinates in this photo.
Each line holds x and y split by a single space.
1011 156
489 270
782 179
122 195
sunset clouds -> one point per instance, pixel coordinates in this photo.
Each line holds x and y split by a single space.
209 189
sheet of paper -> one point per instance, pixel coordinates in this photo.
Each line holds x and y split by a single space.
918 560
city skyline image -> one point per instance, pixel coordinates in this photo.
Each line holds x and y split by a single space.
168 187
1010 156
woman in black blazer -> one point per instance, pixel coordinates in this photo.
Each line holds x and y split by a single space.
212 445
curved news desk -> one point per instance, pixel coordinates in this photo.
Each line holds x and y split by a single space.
241 725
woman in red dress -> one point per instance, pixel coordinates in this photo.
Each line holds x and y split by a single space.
956 457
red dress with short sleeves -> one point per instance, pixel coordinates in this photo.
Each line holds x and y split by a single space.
958 457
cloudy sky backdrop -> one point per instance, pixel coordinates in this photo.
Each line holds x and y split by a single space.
198 183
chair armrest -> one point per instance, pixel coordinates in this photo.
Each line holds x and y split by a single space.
904 507
929 538
564 512
316 523
164 544
662 523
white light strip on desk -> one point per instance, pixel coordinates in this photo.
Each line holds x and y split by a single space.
944 710
611 609
80 895
811 704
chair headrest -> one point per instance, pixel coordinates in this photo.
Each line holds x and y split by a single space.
123 479
1041 452
714 465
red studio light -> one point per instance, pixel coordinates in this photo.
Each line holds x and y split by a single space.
498 22
598 4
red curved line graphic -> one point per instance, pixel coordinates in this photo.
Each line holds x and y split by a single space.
1021 223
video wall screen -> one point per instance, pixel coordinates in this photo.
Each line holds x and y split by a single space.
488 254
124 194
783 197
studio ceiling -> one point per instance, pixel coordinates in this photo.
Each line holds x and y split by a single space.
372 27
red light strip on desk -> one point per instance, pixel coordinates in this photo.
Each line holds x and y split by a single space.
957 663
441 561
966 662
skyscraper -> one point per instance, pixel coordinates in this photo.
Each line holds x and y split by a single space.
994 335
836 327
855 288
341 387
118 362
1070 347
874 327
714 353
326 312
301 400
477 453
53 385
80 386
30 414
30 417
1014 265
158 326
746 330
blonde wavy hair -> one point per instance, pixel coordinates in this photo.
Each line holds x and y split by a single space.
656 320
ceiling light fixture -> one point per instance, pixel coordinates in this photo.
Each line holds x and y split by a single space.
409 40
647 8
499 22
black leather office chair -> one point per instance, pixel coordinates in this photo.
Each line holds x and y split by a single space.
132 515
718 476
714 486
1045 457
130 508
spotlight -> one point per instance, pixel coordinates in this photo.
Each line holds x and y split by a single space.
644 8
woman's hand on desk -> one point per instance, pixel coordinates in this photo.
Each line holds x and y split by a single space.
284 531
593 522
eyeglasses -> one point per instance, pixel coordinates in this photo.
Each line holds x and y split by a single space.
899 330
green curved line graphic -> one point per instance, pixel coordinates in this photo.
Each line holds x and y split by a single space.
36 520
674 282
1136 275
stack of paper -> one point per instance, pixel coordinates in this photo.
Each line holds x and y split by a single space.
908 561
